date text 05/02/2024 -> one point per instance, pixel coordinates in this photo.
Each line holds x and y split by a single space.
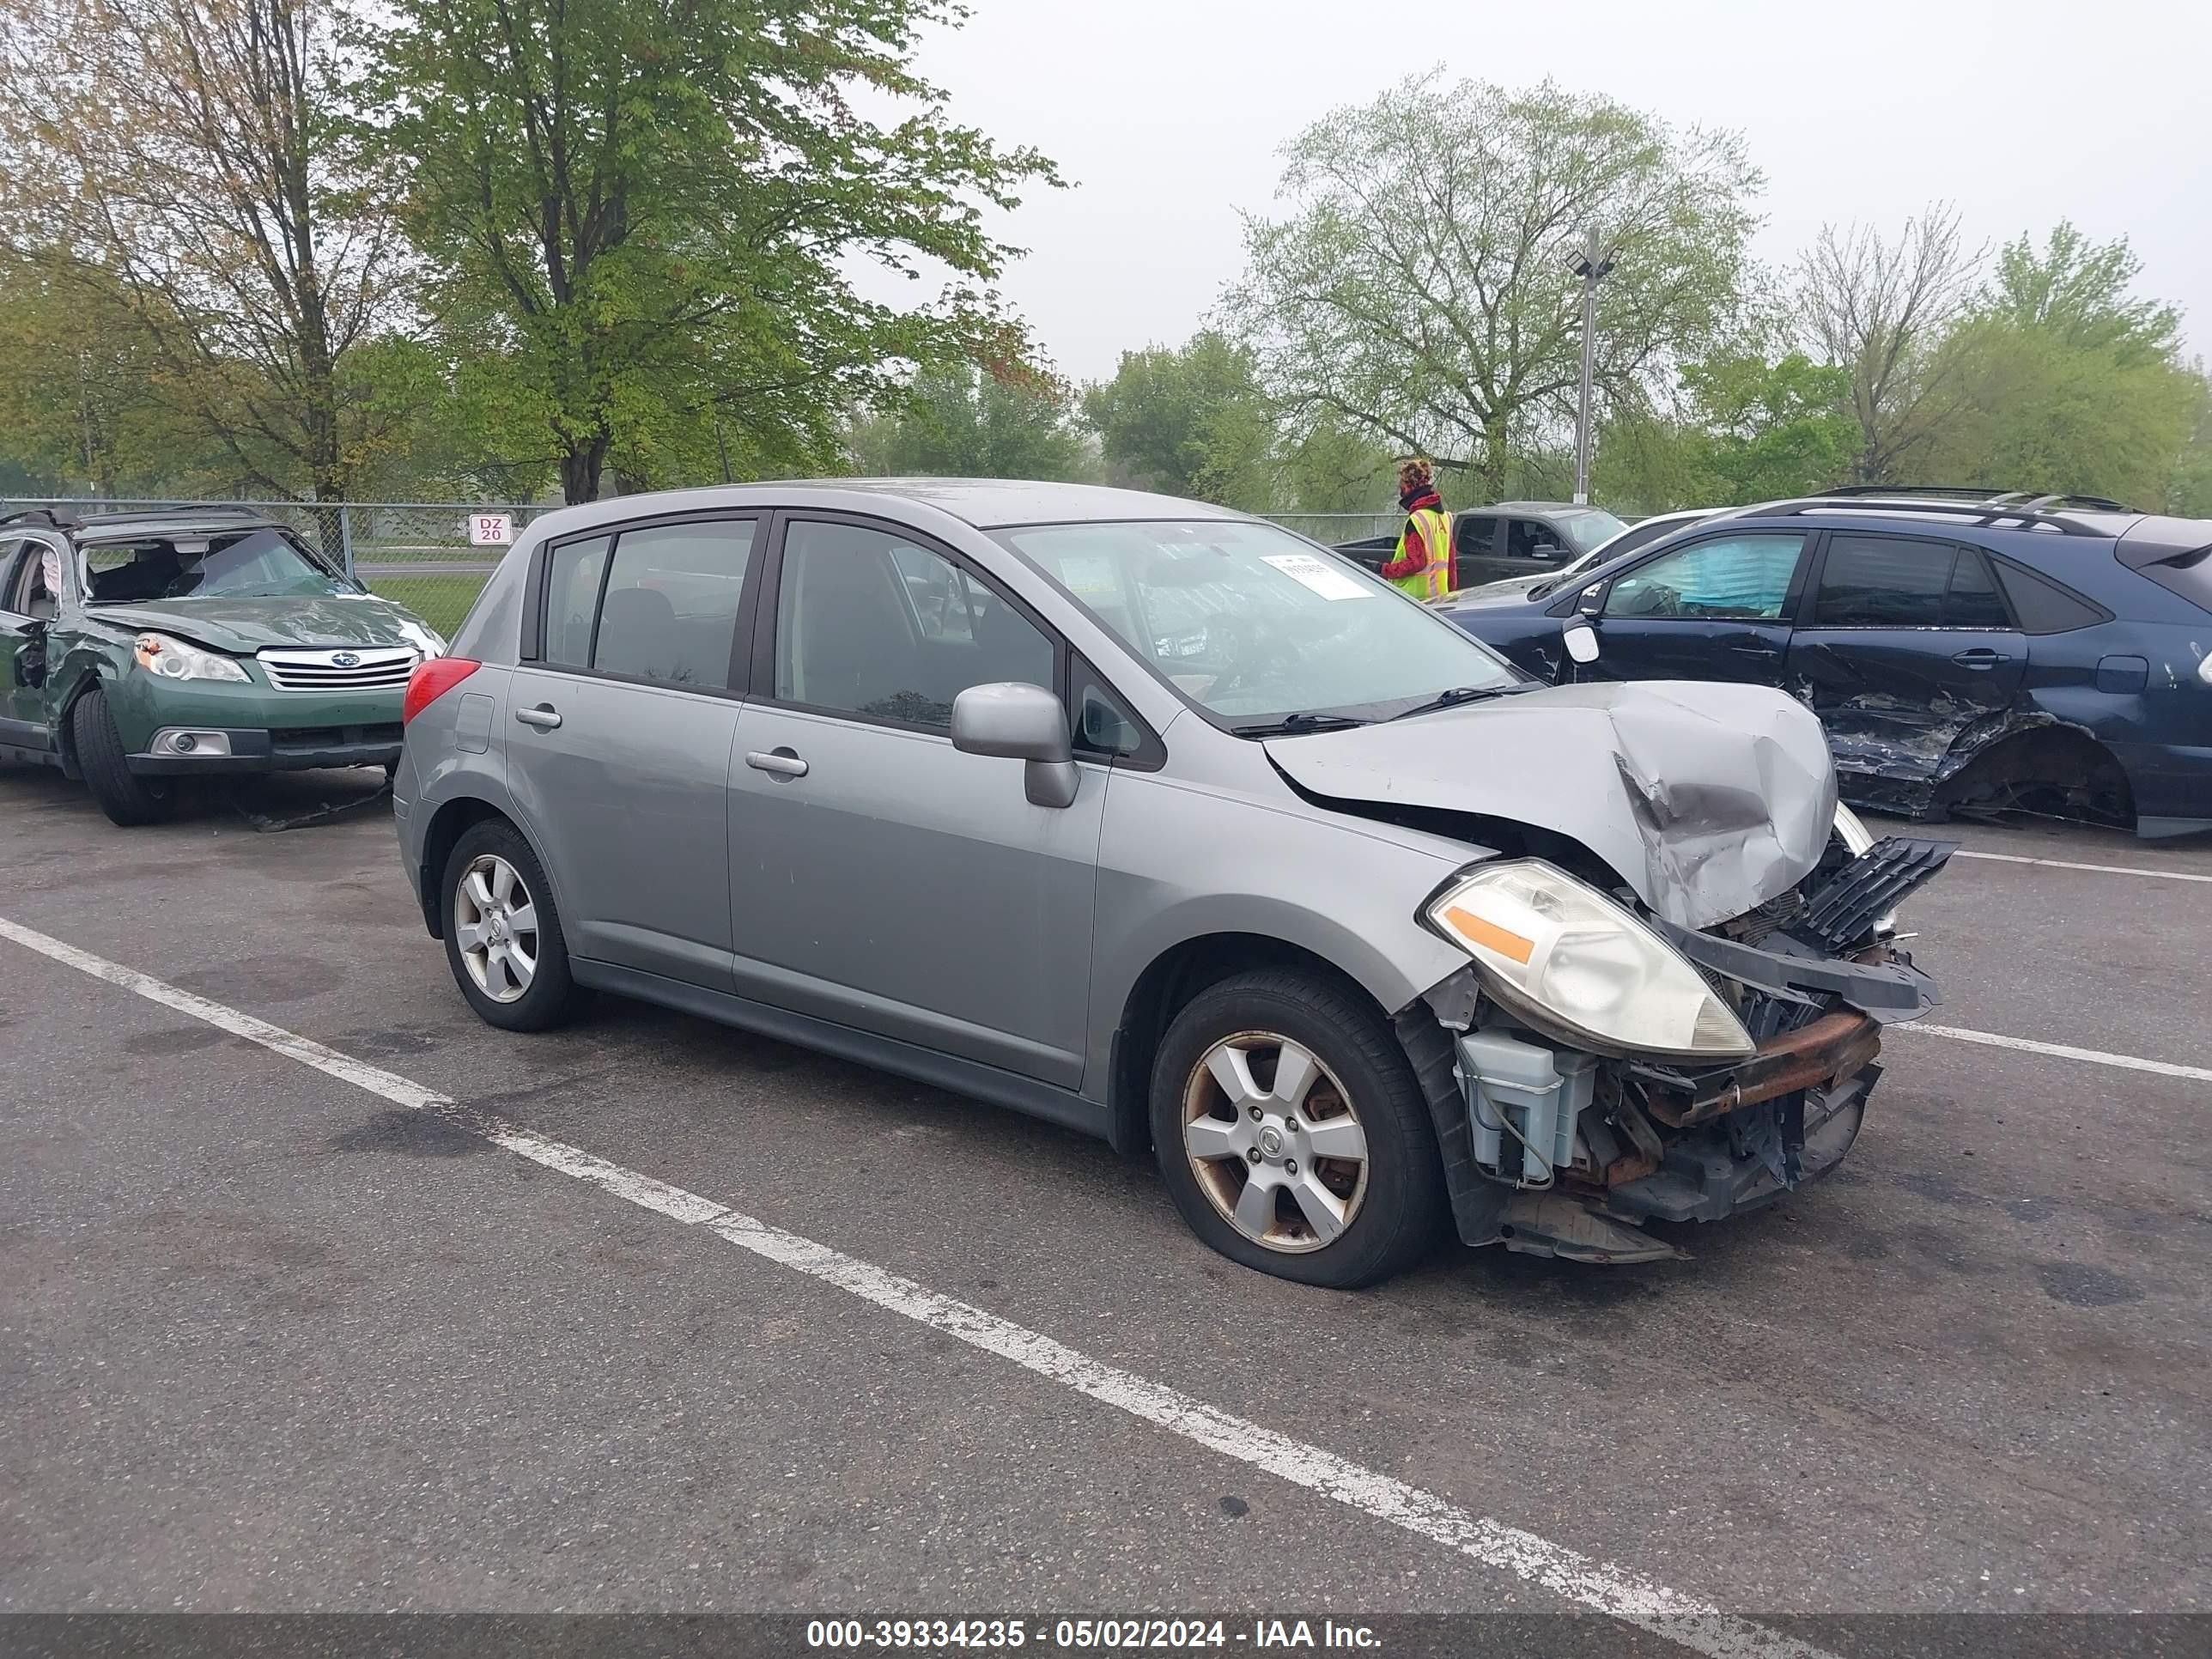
1107 1635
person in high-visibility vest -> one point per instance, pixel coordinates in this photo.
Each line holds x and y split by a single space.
1423 567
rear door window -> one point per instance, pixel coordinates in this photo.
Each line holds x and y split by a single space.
1743 578
572 600
671 610
1973 600
1896 581
1883 581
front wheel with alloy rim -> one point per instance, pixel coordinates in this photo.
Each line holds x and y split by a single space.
1292 1134
503 937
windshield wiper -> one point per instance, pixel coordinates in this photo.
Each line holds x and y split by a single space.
1459 694
1294 725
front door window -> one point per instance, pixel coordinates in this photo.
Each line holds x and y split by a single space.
869 625
1743 578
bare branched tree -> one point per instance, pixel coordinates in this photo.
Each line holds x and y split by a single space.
179 156
1879 308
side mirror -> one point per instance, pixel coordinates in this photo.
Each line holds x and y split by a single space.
1582 641
1012 720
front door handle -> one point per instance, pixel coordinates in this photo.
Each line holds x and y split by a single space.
1980 657
543 717
781 762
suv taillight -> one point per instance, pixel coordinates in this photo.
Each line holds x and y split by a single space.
430 681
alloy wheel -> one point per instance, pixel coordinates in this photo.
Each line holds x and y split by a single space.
1275 1141
495 925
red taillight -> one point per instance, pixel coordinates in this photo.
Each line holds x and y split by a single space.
430 681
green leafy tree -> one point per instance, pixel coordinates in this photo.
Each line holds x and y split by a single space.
641 216
175 166
2077 291
972 424
79 414
2035 412
2189 492
1746 429
1419 289
2065 380
1332 468
1190 421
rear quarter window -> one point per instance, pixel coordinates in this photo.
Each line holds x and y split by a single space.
2042 605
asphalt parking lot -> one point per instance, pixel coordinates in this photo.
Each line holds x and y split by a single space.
276 1339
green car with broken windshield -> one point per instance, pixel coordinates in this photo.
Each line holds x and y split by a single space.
139 650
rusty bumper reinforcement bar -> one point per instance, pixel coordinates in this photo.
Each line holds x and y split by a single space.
1835 1045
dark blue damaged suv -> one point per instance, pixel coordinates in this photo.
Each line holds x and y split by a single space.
1963 651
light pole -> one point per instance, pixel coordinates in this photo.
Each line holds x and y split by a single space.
1591 264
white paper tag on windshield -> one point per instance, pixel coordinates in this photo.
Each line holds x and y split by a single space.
1089 578
1309 572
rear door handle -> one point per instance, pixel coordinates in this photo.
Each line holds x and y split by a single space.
1980 657
1755 651
543 717
781 762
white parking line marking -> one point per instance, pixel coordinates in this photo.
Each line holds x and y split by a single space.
2062 1051
1597 1585
2068 863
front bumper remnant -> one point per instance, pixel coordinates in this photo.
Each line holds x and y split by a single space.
1556 1152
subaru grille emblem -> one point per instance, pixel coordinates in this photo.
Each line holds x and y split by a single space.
345 660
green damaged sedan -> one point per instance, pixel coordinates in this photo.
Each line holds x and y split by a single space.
139 650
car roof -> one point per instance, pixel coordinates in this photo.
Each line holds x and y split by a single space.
987 503
182 521
983 504
1531 507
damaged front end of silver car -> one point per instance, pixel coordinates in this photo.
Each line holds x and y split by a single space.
1597 1066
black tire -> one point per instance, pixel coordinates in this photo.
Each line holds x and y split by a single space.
1403 1207
127 798
551 994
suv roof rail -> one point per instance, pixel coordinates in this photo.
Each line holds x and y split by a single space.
182 510
1999 511
1978 492
46 515
2023 498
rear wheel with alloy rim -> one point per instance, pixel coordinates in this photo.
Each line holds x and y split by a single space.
1292 1133
503 937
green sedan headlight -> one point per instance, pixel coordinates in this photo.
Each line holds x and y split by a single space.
165 659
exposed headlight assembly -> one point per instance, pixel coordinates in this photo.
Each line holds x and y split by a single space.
1572 962
165 659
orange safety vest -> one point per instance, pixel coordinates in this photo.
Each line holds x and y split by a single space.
1433 581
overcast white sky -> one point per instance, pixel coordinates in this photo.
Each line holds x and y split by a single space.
1168 114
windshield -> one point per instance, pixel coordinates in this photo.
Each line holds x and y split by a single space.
1589 530
261 563
1253 624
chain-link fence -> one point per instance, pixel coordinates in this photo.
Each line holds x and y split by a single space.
422 555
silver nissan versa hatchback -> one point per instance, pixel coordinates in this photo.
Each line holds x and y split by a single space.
1168 825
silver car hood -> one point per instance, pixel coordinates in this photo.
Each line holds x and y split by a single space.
1708 799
